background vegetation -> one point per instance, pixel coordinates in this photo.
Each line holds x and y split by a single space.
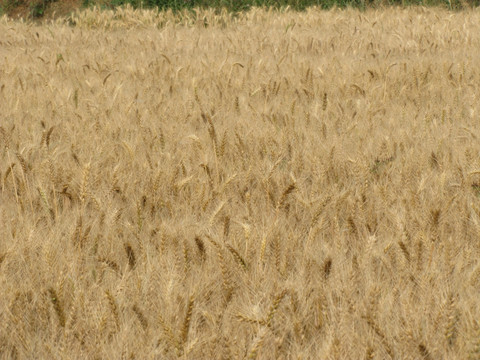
241 5
271 185
233 5
38 8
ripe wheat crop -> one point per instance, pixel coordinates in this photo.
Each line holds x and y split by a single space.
269 185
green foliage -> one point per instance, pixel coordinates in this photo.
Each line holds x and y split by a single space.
6 5
38 7
240 5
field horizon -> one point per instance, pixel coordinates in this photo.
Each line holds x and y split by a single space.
44 11
269 185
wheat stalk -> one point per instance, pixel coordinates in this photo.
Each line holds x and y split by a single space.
187 320
57 306
141 317
132 260
114 309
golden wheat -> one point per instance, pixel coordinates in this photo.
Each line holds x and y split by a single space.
266 185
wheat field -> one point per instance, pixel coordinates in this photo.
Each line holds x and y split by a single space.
271 185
